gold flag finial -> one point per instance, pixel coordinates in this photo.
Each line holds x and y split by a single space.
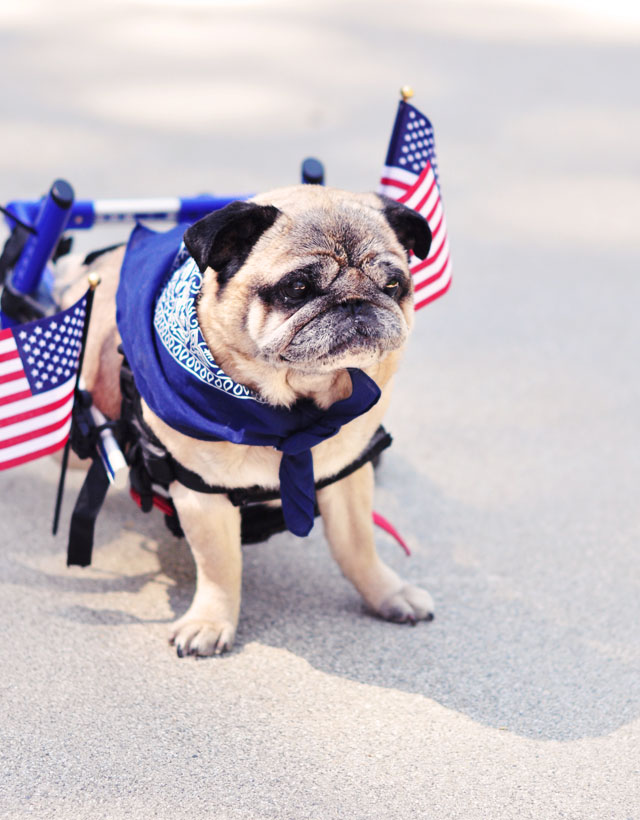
94 280
406 92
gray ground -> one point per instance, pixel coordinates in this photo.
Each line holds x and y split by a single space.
515 469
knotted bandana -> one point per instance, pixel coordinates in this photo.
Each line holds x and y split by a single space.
178 378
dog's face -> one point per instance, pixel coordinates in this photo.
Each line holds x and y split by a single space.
309 278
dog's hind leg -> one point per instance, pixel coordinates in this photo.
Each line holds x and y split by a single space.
211 525
346 509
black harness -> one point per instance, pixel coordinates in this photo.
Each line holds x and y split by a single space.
152 469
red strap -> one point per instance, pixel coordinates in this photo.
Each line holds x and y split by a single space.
387 526
379 520
158 501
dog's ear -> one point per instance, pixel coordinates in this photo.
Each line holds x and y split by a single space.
224 239
411 229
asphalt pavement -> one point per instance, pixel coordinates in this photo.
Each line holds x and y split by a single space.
515 469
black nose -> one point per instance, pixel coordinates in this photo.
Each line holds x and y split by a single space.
353 308
359 316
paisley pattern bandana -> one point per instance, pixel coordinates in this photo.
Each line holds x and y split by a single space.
176 323
179 379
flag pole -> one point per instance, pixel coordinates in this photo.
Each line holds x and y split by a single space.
94 281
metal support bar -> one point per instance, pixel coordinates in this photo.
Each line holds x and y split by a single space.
85 213
49 224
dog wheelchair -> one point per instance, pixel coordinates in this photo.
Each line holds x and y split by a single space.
125 449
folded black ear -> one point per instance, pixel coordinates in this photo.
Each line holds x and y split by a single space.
224 239
411 229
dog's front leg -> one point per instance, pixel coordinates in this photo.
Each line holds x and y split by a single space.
211 525
346 509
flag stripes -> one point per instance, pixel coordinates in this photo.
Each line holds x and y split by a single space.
38 368
431 276
41 422
412 147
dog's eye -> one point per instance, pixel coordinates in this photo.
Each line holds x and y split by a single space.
295 290
392 287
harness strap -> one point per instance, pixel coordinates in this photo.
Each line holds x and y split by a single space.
83 519
151 466
164 468
84 436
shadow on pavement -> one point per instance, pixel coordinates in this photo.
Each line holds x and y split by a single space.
489 654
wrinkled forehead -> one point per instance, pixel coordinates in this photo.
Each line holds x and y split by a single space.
344 236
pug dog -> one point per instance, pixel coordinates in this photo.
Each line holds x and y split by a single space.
298 285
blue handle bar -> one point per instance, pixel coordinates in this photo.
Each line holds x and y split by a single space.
51 220
86 213
50 216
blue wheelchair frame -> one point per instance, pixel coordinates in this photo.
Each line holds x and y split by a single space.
56 213
47 219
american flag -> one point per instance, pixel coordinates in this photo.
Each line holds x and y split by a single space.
410 176
38 368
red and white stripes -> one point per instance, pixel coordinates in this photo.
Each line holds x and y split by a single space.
30 425
431 276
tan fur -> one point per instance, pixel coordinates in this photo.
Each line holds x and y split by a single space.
246 339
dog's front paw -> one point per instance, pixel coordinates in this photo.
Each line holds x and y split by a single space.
407 606
201 638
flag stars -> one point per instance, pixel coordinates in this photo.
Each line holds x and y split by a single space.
23 334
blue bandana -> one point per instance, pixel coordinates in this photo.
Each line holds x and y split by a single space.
178 378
